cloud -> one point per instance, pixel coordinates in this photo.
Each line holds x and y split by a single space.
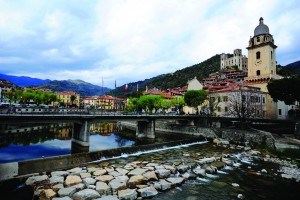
130 40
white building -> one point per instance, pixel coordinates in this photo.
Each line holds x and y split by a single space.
227 102
237 59
194 84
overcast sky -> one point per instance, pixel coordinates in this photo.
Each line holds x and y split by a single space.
131 40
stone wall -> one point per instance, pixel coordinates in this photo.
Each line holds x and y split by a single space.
256 137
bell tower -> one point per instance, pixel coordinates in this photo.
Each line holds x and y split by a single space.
262 64
261 52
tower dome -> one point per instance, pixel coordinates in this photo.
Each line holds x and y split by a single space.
261 28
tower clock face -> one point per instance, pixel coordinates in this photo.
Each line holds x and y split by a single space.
258 62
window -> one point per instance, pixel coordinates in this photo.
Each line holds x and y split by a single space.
219 109
219 99
225 98
263 99
243 98
271 54
226 109
258 55
258 39
258 73
279 111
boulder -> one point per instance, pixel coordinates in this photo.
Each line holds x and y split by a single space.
199 171
122 171
128 194
66 192
103 188
116 185
100 172
150 176
162 185
137 171
148 192
105 178
182 168
79 186
85 175
75 171
47 194
206 160
122 178
171 168
115 173
163 173
175 181
60 173
56 179
136 180
72 180
218 164
86 194
109 197
34 179
61 198
89 181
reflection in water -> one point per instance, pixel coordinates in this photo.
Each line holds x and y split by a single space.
31 141
104 128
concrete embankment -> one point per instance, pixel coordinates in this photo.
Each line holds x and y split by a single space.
256 137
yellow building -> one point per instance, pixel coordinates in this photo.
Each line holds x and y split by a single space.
262 63
65 97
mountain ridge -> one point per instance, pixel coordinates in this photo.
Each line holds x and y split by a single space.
24 81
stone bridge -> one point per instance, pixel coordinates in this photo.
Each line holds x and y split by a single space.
145 124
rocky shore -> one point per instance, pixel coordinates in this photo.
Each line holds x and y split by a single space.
138 177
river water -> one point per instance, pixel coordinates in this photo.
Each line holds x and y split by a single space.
252 183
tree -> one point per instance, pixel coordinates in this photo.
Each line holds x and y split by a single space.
150 103
242 103
178 102
286 89
73 97
194 98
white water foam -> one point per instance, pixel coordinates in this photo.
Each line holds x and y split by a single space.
222 172
148 152
212 176
203 179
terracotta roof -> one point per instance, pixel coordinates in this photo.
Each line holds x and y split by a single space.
167 95
67 93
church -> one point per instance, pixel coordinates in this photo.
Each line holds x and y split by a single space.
262 66
252 78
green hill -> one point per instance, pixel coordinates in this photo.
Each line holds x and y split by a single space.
79 86
177 79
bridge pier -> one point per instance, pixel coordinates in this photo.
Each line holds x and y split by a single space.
297 130
80 137
145 129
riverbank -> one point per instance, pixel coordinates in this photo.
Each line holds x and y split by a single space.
166 171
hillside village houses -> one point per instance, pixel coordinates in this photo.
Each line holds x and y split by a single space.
66 98
104 102
237 78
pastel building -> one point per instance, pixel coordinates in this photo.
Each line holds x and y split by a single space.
238 59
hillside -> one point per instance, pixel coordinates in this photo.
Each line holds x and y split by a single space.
79 86
23 81
295 66
177 79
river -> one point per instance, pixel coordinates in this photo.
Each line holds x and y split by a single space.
246 173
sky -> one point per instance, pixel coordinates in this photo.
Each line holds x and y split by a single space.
132 40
